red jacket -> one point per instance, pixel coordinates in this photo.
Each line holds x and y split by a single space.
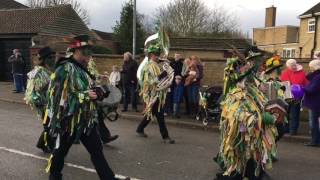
295 77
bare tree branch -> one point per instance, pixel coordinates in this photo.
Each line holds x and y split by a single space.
193 17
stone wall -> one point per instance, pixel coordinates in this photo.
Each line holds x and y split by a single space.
213 69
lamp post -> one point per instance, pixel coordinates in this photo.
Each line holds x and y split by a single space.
134 29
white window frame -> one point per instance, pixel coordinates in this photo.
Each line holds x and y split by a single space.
311 22
289 52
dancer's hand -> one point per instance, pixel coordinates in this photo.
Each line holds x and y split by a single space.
93 95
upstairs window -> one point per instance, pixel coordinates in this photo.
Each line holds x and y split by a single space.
289 53
311 25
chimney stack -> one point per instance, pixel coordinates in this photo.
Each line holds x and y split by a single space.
271 16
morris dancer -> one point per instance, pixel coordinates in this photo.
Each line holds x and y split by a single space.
36 92
248 131
153 99
103 130
72 110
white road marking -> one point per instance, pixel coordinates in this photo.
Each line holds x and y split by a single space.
67 164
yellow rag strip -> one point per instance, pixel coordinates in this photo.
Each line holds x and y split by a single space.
49 164
45 117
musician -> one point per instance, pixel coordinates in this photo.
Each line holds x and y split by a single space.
104 132
270 74
36 92
154 100
72 110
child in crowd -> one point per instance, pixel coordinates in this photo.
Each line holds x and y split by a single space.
192 75
115 76
177 96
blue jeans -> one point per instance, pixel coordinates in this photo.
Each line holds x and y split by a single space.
18 82
193 93
314 118
294 117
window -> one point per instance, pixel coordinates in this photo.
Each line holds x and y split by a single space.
311 25
289 53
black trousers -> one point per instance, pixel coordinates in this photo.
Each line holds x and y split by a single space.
160 118
102 128
130 96
93 145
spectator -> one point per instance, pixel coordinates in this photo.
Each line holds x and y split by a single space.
296 76
311 101
115 76
184 73
177 64
194 86
177 96
177 67
17 70
129 79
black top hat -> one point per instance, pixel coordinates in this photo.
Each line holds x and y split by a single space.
45 52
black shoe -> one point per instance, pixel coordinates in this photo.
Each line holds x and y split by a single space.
109 139
312 145
142 134
169 141
124 110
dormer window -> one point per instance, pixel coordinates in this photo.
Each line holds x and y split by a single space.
311 25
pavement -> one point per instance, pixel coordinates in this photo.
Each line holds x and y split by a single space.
6 95
141 158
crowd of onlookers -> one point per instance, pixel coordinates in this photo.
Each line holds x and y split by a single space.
309 87
188 74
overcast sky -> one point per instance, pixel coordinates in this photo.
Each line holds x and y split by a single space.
250 13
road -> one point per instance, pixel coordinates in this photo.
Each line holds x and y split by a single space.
141 158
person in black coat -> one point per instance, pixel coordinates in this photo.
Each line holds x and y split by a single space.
130 81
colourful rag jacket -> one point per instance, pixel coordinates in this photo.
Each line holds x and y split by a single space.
247 131
70 108
36 91
149 92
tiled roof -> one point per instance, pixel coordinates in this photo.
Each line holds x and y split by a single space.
11 4
104 35
208 43
314 9
58 20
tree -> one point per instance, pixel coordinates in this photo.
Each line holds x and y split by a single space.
194 18
123 29
76 5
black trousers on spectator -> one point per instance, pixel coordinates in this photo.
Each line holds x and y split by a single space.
102 128
130 96
93 145
160 118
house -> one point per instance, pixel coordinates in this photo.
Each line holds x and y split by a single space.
281 40
290 41
24 28
107 40
310 32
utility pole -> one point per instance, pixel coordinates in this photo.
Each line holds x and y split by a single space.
134 29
